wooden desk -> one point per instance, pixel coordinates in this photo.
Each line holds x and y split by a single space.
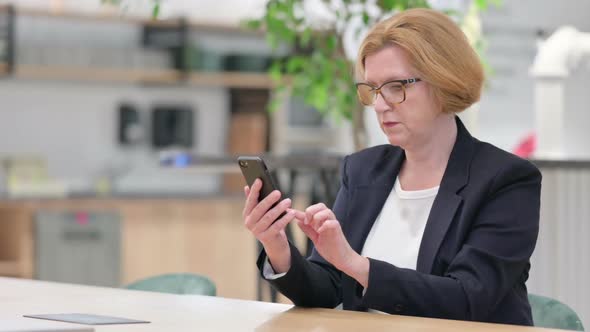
200 313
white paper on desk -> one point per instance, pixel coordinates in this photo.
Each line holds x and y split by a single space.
30 325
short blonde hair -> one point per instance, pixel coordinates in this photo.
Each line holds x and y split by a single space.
437 49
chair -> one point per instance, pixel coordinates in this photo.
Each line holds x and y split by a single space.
550 313
176 283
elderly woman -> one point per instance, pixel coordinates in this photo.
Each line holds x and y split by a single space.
434 224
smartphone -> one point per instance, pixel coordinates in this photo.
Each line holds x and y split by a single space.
253 168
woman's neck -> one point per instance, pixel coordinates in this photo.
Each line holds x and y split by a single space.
425 163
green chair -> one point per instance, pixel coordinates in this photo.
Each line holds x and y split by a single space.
176 283
551 313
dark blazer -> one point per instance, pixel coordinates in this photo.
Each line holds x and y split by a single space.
473 260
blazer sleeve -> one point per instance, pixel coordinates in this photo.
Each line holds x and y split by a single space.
314 282
491 261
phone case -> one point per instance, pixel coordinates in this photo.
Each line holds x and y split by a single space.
253 167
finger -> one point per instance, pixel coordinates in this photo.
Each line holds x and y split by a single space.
310 211
281 223
329 226
299 215
252 198
265 205
266 221
319 218
308 230
246 191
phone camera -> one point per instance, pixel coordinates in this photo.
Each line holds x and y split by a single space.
243 163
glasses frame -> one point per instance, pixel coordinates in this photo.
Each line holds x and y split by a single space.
377 91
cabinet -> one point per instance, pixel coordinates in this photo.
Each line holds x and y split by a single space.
16 242
78 247
157 236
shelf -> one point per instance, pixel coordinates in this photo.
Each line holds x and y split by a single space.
164 76
232 79
69 73
146 76
111 17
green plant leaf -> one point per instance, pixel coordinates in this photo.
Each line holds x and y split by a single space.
296 64
481 4
331 43
320 97
401 5
387 5
272 40
306 37
274 104
366 18
275 71
253 24
418 4
156 10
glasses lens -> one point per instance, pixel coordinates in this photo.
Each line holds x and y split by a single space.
366 94
393 92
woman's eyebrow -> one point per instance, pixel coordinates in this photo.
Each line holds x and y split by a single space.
389 79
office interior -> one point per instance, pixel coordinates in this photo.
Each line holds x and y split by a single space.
119 163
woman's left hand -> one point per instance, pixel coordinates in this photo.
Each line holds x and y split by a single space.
320 224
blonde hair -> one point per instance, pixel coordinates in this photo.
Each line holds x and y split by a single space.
437 49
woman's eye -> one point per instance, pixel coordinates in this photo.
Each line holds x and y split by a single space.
394 87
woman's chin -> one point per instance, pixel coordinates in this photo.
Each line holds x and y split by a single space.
395 140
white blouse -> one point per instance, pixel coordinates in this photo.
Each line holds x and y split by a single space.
397 232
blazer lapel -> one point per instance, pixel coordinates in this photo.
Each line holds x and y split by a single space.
447 201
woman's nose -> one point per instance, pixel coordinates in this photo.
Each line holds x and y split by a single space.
380 104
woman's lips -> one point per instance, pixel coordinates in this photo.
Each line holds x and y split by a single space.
390 124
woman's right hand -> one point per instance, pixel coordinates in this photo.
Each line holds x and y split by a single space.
258 219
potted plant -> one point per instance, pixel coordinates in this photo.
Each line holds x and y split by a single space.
319 69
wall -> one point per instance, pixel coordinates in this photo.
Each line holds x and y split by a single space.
74 126
577 113
507 111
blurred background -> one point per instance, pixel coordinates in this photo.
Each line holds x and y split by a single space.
120 122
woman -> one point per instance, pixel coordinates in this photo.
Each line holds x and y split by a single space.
434 224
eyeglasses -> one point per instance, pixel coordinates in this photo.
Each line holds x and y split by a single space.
393 92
